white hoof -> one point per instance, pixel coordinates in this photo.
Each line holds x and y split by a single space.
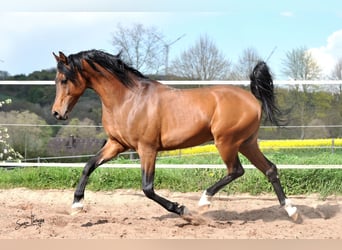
291 211
77 205
76 208
205 200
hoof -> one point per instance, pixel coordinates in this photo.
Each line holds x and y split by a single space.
193 218
186 211
205 200
297 218
76 208
292 212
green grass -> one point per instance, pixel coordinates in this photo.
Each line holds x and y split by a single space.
305 181
305 156
295 181
279 157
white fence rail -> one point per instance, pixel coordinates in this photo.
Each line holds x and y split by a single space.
167 166
196 83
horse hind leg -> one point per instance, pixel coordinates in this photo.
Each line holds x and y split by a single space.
256 157
235 170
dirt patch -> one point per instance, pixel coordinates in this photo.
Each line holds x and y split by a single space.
45 214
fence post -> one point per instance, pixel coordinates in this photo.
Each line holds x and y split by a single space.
131 155
332 145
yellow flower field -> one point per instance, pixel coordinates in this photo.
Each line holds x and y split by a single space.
301 143
266 144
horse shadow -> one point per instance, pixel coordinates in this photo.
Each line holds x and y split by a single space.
265 214
274 213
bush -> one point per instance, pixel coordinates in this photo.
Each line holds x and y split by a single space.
29 141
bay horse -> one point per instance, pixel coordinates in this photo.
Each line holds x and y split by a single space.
144 115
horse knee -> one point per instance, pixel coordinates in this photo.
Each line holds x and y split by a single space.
272 174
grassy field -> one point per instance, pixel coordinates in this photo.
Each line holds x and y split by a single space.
295 181
290 156
323 181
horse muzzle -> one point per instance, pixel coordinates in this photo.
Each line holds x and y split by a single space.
60 116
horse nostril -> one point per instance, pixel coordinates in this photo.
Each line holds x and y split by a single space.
56 115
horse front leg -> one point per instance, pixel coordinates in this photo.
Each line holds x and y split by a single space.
109 151
148 159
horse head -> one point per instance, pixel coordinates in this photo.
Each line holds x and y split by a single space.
69 87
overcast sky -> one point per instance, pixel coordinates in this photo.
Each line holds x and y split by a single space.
32 30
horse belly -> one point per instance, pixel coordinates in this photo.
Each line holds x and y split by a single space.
185 133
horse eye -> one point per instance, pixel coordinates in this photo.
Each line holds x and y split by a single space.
64 81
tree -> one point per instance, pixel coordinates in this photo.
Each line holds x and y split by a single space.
245 64
3 75
45 74
31 140
299 64
337 75
140 46
337 71
202 61
81 129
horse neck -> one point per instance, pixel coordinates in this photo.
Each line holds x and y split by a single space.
110 90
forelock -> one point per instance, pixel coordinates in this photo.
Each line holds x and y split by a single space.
67 70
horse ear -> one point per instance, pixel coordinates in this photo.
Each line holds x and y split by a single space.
56 57
61 58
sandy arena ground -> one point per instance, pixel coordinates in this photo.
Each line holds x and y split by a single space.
45 214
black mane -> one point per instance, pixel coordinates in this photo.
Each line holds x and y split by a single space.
112 63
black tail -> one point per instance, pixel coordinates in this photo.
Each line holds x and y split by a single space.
262 89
